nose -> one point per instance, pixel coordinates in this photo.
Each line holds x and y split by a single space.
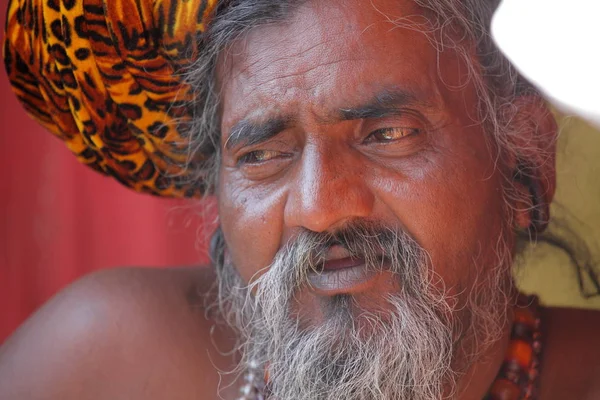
329 189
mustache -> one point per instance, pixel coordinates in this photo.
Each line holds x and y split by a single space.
378 244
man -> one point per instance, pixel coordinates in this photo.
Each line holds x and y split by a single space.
375 165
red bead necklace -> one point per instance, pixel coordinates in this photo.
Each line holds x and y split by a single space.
518 375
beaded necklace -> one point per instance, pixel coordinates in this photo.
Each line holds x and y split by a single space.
516 380
518 375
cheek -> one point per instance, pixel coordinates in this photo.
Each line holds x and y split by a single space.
252 221
454 208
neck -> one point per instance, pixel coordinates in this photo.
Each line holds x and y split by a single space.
476 382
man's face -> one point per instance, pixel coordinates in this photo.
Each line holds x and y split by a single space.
338 115
340 126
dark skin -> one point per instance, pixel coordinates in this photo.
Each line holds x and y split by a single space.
422 165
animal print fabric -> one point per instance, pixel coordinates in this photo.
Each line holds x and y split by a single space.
105 77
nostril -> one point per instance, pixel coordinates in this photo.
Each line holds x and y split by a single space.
319 267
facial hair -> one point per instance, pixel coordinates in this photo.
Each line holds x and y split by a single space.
416 350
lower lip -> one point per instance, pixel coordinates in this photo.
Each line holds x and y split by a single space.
342 281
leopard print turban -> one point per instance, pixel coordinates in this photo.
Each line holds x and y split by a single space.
105 77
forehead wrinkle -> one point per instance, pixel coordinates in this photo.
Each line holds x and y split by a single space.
265 34
259 64
300 74
323 109
316 41
294 81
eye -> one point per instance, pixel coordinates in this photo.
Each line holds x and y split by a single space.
386 135
258 156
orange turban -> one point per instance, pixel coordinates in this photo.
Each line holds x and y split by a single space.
105 77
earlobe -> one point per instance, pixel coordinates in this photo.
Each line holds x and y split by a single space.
521 205
532 210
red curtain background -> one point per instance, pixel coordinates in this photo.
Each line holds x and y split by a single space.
60 220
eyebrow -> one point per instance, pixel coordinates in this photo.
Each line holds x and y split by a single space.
250 133
384 104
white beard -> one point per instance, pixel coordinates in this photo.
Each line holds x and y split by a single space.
416 351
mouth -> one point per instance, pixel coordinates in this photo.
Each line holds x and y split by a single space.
341 275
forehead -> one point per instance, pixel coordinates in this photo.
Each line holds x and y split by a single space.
334 54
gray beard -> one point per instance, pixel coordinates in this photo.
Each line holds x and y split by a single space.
416 349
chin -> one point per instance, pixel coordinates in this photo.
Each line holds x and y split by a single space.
358 312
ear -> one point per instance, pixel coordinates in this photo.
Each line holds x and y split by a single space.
534 133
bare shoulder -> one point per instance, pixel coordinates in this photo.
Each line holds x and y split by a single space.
126 333
571 355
